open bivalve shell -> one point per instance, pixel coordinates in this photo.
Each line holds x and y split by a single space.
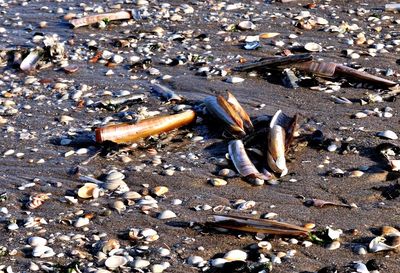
387 242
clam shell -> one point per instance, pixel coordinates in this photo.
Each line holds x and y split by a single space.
30 61
313 47
42 252
114 175
217 182
236 255
382 243
246 25
194 260
267 35
82 221
160 190
166 214
388 134
37 241
140 263
113 185
115 261
132 195
86 191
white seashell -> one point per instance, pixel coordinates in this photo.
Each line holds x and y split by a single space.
246 205
30 61
322 21
163 252
313 47
82 221
86 191
218 262
388 134
166 214
361 268
115 261
378 243
265 245
12 226
217 182
147 232
157 268
334 233
132 195
234 80
334 245
160 190
119 206
236 255
113 185
114 175
227 173
37 241
42 252
246 25
195 260
140 263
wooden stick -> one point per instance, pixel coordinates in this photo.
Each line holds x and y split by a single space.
89 20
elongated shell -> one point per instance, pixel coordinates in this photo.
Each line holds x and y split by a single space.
222 110
126 133
248 125
349 72
324 69
30 61
257 225
243 164
277 146
166 93
92 19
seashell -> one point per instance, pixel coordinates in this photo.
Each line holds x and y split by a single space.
361 268
163 252
140 263
227 173
243 165
37 241
236 255
160 190
246 25
113 185
81 221
110 245
334 245
30 61
132 195
218 262
276 146
385 230
114 262
388 134
36 200
166 214
195 260
71 68
268 35
252 45
313 47
86 191
246 205
383 243
12 226
322 21
119 206
114 175
43 252
234 80
265 245
217 182
334 233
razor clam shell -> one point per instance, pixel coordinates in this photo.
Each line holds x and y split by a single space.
242 162
242 113
276 149
165 92
30 61
217 111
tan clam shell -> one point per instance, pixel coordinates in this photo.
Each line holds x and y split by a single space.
86 191
114 262
267 35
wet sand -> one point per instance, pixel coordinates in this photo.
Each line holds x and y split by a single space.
305 178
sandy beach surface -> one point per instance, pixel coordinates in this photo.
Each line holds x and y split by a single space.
191 47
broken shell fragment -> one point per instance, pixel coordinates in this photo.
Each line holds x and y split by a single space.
267 35
246 25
